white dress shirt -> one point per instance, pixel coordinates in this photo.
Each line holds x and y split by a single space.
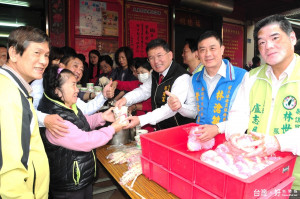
211 83
88 108
38 90
239 114
179 88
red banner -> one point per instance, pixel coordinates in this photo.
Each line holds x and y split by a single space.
141 33
145 22
233 40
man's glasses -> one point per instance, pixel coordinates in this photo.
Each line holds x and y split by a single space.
158 57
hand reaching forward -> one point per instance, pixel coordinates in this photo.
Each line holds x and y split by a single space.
109 115
121 102
133 121
118 125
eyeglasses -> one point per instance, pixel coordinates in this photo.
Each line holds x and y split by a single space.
159 57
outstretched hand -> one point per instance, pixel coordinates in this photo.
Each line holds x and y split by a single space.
121 102
108 115
133 121
118 125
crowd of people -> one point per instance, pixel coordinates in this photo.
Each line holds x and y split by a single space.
49 128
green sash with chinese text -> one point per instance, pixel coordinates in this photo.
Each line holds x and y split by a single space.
278 115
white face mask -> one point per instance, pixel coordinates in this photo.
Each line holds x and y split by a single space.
143 77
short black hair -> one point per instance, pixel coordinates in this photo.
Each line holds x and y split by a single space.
192 44
68 51
158 43
146 65
228 58
107 59
3 46
142 62
81 57
55 53
283 23
65 59
208 34
255 60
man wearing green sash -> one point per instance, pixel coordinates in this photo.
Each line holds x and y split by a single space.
268 101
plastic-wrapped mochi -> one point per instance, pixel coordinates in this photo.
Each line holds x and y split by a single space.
225 158
194 144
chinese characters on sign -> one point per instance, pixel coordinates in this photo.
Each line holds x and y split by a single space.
233 40
145 22
141 33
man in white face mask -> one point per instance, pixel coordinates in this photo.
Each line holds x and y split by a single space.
144 70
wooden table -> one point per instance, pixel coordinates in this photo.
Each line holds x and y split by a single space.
143 186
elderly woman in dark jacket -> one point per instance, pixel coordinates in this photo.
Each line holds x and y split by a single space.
72 159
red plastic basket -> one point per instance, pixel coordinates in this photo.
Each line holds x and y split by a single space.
167 161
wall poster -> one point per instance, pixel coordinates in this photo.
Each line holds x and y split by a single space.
233 40
144 23
97 24
110 23
90 17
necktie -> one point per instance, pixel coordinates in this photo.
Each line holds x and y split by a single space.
160 79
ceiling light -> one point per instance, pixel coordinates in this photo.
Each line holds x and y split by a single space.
11 24
4 35
15 3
